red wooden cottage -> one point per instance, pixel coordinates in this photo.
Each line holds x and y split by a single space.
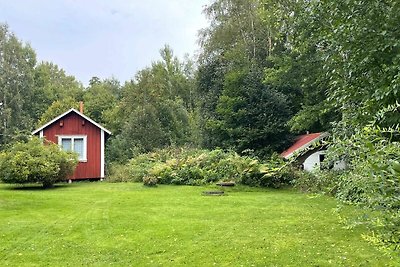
76 132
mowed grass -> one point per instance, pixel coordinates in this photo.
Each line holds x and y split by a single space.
127 224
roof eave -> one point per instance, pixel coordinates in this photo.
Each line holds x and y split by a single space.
64 114
305 146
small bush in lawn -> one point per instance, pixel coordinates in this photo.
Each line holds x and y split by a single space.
150 181
34 162
118 173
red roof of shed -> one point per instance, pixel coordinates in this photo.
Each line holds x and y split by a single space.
302 142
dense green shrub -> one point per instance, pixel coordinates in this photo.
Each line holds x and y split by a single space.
117 172
34 162
277 172
186 166
324 181
204 167
150 181
372 180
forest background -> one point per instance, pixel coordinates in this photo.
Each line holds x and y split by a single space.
267 71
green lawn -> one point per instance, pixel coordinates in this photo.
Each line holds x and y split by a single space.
131 225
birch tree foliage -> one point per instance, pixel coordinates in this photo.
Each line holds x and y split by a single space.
17 62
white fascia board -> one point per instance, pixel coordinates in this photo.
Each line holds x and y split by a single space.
65 113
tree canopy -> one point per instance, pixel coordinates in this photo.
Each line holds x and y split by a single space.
267 71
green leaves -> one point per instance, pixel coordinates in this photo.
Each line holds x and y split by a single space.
361 71
17 61
186 166
101 100
373 177
57 108
52 84
155 110
35 162
395 169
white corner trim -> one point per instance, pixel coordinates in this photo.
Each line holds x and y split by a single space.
41 134
102 153
72 137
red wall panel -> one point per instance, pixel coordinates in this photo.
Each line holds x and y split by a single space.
73 124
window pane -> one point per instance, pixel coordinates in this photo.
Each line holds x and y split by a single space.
66 144
78 147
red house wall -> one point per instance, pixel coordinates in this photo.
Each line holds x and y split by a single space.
72 124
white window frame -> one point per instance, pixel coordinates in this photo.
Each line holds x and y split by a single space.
72 138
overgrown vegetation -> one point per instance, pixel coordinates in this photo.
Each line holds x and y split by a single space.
371 180
185 166
34 162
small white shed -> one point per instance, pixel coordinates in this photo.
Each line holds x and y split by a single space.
309 151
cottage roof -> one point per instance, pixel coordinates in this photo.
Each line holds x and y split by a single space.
302 142
66 113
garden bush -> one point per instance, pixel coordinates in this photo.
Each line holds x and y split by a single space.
278 172
118 172
323 181
35 162
135 170
150 181
206 167
188 166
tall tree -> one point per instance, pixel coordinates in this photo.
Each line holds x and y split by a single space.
52 84
234 55
100 98
348 53
17 62
251 115
155 108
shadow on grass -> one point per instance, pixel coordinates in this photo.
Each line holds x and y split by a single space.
34 187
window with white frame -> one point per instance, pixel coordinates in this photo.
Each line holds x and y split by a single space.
75 143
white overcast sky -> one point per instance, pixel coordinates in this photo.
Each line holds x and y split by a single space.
105 38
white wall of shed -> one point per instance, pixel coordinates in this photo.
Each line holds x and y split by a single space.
312 162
